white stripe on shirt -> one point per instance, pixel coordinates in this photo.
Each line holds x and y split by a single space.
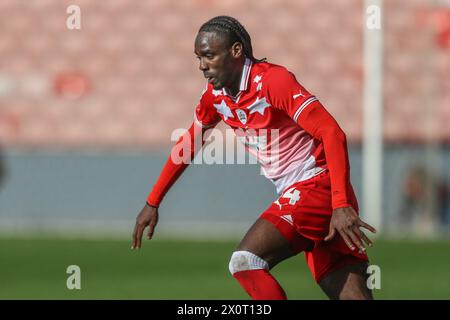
306 103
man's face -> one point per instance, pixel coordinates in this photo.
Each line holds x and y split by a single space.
218 62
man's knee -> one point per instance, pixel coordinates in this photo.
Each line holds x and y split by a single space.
245 260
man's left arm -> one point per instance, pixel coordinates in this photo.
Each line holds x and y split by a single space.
285 92
316 120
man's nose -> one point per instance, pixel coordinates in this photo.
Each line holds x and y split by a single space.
202 65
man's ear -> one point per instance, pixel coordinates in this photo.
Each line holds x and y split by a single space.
237 50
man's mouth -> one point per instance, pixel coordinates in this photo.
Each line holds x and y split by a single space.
209 78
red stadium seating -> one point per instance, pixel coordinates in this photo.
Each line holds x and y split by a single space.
137 58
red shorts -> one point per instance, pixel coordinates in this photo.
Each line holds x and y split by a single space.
302 215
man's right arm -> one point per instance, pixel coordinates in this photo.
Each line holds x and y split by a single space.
180 157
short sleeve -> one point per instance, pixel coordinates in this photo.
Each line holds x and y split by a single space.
285 93
205 114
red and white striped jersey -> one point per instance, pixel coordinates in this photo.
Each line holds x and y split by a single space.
264 116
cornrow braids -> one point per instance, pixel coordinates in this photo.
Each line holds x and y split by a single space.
234 31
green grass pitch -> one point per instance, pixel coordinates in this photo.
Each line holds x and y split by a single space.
35 268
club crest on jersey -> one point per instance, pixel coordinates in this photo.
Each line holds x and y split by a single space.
242 116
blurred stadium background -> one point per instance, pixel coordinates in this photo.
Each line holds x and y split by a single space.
86 118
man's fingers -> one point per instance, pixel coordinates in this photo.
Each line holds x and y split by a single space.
330 234
347 240
367 226
133 245
354 236
151 229
138 236
366 239
149 232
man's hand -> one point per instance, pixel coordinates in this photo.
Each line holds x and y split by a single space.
347 223
147 217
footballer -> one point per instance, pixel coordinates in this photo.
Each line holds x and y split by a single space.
317 210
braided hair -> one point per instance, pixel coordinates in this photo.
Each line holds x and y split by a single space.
234 31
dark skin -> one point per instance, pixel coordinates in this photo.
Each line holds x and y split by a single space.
222 63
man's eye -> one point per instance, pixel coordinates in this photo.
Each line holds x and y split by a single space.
209 56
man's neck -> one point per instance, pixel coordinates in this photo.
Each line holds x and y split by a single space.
236 83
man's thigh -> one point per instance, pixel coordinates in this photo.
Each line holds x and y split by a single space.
347 283
264 240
